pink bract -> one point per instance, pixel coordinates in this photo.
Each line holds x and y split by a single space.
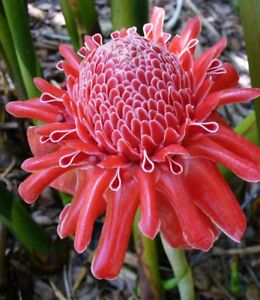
136 126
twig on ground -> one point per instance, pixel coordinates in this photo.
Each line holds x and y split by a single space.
8 169
253 276
82 274
56 291
242 251
66 283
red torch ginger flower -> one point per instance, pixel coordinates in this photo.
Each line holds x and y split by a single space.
137 126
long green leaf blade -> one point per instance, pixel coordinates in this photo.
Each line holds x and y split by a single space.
20 223
9 53
70 23
250 16
17 18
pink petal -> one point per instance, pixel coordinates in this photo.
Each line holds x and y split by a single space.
222 97
71 57
45 161
46 87
170 227
203 62
34 110
36 146
214 197
190 31
236 143
149 222
116 231
33 185
198 230
96 186
70 70
206 148
66 182
70 217
157 21
227 80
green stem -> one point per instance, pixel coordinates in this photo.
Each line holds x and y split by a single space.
141 14
250 12
181 270
85 17
148 265
122 14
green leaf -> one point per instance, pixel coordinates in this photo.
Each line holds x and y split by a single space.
65 198
17 18
88 16
250 12
9 54
20 223
141 14
70 23
84 14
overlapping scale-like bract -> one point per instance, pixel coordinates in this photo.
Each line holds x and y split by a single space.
136 126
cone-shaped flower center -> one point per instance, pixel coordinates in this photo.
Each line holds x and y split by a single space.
132 89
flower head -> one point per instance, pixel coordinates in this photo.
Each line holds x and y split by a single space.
136 126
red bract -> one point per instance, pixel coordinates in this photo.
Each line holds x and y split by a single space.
137 126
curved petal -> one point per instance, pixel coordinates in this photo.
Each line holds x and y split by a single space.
174 149
71 57
116 231
190 32
227 80
236 143
34 110
45 161
46 87
206 148
198 230
214 197
154 30
149 222
69 216
222 97
96 186
66 182
33 185
47 129
203 62
36 146
170 227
